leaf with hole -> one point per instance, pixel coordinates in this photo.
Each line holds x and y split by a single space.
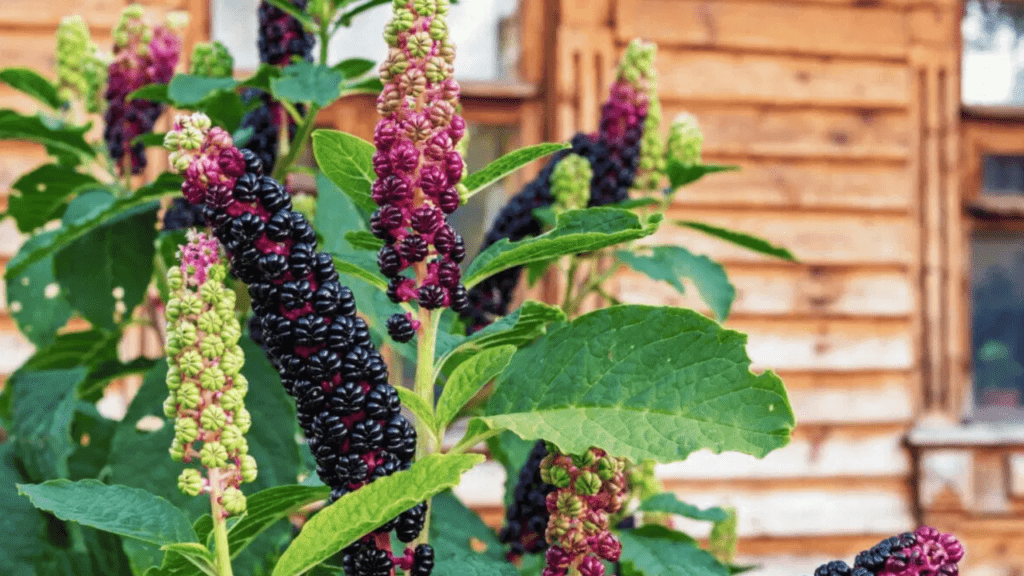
642 382
508 164
575 231
41 195
672 264
35 300
362 511
67 144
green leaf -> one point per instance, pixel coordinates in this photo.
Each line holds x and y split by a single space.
151 139
152 93
197 555
467 379
631 203
473 565
354 67
307 82
95 268
35 300
673 263
656 550
73 349
295 12
454 528
261 78
361 271
348 161
44 405
511 452
105 372
362 511
128 512
670 503
364 240
642 382
78 225
508 164
41 194
63 142
31 83
186 90
680 174
335 216
517 329
225 109
371 86
89 457
743 239
418 406
576 231
265 508
25 544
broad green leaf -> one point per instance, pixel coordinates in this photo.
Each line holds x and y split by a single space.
511 452
519 328
743 239
364 240
658 551
454 528
348 161
31 83
64 142
361 270
73 349
671 504
508 164
265 508
467 379
418 406
576 231
143 200
477 431
103 373
225 109
92 435
335 216
371 86
536 270
128 512
261 78
151 92
680 174
631 203
24 544
196 554
34 298
471 564
44 405
105 277
672 264
354 67
186 90
307 82
41 194
362 511
642 382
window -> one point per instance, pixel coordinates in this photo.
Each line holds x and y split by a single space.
992 67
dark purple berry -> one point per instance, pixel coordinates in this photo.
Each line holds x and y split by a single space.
400 328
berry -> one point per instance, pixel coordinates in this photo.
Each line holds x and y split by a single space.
527 518
400 328
410 522
422 560
181 215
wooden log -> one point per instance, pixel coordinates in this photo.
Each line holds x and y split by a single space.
787 291
868 31
764 132
792 183
813 237
702 76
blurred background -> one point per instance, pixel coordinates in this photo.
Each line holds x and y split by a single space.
881 141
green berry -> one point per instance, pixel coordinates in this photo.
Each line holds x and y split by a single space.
188 395
213 455
232 439
186 430
190 482
170 407
248 468
243 420
213 418
559 477
191 363
233 500
588 483
177 450
232 400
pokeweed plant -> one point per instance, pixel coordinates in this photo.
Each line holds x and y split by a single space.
567 397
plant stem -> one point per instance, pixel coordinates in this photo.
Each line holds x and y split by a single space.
220 525
424 388
570 276
592 285
297 144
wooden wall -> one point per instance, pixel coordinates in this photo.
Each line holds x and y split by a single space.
843 115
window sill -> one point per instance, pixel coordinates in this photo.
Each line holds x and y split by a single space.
935 436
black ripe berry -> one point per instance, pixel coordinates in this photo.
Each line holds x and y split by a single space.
410 522
422 560
400 328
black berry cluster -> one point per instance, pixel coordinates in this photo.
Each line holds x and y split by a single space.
124 121
308 326
873 560
181 215
527 518
281 36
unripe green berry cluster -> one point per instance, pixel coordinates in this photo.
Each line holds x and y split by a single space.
588 488
206 388
570 183
211 59
81 73
685 140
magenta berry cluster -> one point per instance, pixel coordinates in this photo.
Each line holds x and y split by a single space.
142 55
346 407
418 168
588 488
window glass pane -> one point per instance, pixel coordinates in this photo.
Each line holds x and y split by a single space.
485 33
998 324
1003 175
993 54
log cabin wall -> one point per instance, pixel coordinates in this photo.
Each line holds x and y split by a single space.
844 117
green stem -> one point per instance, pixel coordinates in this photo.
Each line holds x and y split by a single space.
569 278
592 285
305 129
426 343
220 525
